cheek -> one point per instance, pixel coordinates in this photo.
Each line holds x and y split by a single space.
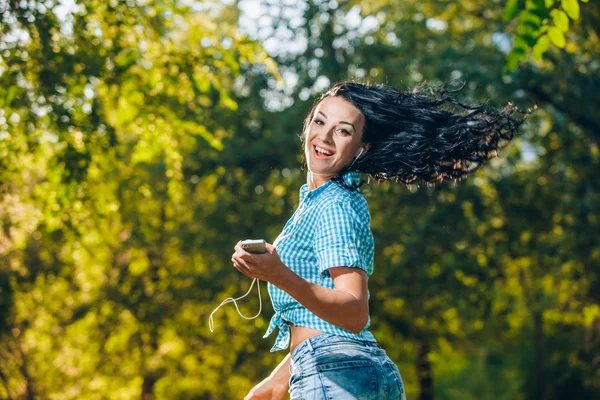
308 136
345 147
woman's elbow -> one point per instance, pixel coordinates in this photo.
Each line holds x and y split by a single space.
358 329
359 313
359 324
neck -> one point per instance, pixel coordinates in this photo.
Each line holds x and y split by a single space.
316 180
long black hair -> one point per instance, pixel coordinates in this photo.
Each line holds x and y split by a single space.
422 135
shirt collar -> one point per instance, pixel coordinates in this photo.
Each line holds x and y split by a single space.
350 178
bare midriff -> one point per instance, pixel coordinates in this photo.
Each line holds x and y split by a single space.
299 334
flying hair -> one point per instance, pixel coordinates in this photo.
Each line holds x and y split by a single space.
423 135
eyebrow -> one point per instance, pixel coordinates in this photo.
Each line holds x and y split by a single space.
341 122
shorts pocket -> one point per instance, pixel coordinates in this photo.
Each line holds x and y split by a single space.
295 389
399 388
349 379
295 382
294 378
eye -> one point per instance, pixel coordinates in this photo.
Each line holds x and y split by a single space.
319 122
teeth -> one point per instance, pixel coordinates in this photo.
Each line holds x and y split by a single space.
320 150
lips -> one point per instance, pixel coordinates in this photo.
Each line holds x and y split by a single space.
322 156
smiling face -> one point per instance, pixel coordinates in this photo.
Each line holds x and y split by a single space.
333 137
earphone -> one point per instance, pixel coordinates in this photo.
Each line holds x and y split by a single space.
211 324
360 152
356 158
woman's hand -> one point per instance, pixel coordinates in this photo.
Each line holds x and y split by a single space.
269 389
267 267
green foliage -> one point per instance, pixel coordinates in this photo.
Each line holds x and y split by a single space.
108 136
539 21
140 141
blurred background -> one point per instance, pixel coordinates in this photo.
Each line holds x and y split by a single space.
140 140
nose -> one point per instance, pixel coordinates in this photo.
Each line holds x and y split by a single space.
325 134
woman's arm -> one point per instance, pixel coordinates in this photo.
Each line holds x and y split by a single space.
281 373
346 306
275 386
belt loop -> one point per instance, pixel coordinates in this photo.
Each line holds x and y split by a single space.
310 346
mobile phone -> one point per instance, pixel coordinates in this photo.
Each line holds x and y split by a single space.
257 246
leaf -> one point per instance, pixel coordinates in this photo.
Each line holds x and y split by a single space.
533 17
520 46
541 47
560 19
518 53
13 91
511 63
200 130
535 5
571 7
556 37
531 40
541 13
512 8
228 102
526 28
529 27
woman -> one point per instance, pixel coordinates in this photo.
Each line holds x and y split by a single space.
318 267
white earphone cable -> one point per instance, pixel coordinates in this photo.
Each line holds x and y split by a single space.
357 157
229 300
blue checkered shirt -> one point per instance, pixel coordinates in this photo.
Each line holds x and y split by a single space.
330 228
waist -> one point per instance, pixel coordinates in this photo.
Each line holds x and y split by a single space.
299 334
301 318
327 343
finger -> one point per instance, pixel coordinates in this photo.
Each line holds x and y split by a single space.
243 254
240 251
238 247
270 248
247 256
245 261
240 260
241 263
241 269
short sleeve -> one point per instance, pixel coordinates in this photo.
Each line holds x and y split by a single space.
338 238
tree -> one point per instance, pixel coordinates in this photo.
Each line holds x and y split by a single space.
110 113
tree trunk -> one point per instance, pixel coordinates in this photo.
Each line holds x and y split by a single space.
148 386
29 390
151 374
540 376
424 371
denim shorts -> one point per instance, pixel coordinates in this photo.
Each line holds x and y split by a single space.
327 366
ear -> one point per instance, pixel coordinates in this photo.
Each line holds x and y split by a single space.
366 147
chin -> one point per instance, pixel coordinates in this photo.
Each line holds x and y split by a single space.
324 171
